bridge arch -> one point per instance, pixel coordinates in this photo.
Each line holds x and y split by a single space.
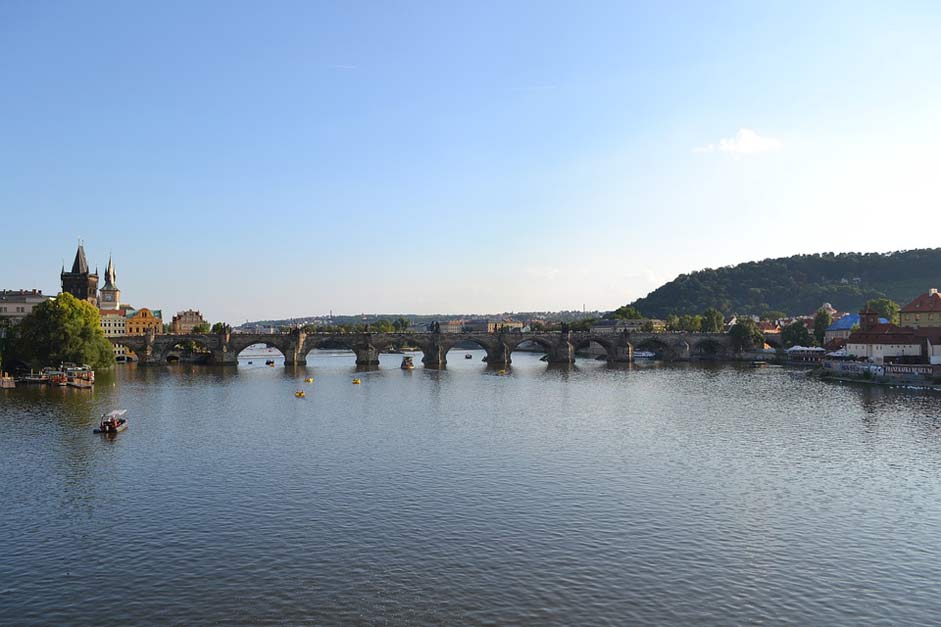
708 348
172 349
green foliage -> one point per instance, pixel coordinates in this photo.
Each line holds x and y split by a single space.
625 312
773 314
647 327
796 334
822 320
201 327
584 324
400 325
222 327
63 330
691 324
712 321
746 335
798 284
886 308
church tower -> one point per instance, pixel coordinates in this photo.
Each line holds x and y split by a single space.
109 297
81 283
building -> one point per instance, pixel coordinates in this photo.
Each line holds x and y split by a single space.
451 326
924 311
109 297
142 321
184 321
638 325
80 283
883 343
17 304
492 326
842 328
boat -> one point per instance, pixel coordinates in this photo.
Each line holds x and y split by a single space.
501 372
79 373
113 422
249 362
269 362
468 356
407 363
80 384
357 381
7 382
300 394
644 355
33 378
309 380
759 363
56 377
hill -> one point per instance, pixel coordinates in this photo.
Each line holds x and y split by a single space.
799 284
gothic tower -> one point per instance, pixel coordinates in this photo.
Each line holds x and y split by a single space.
109 297
81 283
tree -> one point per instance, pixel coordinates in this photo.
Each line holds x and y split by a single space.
712 321
221 328
796 334
625 312
773 314
65 329
886 308
585 324
673 322
400 324
201 327
746 335
381 326
647 327
691 324
822 320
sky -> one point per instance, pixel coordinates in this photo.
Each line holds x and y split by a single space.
262 160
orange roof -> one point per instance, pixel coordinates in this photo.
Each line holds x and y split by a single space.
111 312
930 301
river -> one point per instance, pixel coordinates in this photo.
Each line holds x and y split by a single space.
685 494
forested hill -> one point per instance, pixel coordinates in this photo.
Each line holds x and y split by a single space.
799 284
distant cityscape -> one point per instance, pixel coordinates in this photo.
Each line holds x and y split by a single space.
848 342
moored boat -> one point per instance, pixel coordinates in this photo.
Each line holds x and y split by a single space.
80 384
79 373
113 422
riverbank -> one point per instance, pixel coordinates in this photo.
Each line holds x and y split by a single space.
907 384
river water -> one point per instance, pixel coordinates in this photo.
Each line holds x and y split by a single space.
689 494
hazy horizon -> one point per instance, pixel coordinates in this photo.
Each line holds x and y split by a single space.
270 161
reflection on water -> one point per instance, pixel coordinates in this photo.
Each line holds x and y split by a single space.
643 495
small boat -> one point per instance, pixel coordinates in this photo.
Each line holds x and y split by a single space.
269 362
644 355
357 381
407 363
759 363
300 394
501 371
113 422
7 382
309 380
80 384
56 377
249 362
468 356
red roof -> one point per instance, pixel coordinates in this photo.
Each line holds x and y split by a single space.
111 312
885 334
930 301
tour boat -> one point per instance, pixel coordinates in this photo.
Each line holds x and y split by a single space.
56 377
113 422
644 354
407 363
7 382
80 373
33 377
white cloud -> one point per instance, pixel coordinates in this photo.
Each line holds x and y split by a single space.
745 142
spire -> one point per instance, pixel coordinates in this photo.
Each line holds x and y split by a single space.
80 265
110 280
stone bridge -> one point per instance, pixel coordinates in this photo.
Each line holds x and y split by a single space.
559 347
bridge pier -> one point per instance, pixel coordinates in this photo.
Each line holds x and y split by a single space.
224 357
434 356
563 351
621 354
498 355
366 355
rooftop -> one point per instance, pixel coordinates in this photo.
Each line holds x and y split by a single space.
930 301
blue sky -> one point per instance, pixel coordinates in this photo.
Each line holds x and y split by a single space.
259 160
